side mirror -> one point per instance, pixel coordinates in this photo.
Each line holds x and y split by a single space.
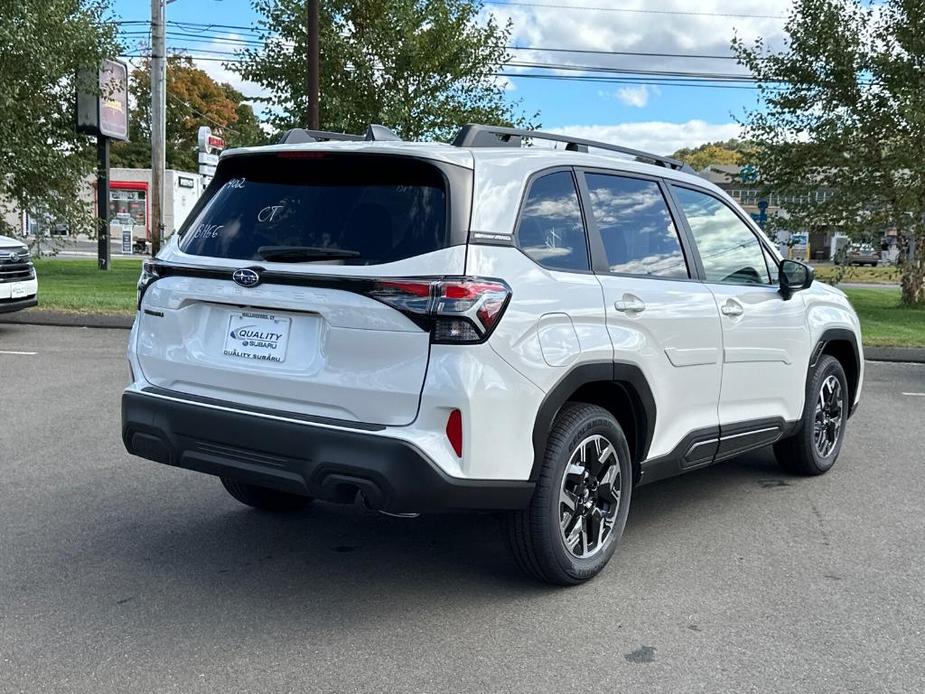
794 276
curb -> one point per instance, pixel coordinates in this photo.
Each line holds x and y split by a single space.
900 354
69 320
124 322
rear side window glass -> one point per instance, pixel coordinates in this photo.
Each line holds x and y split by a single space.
729 250
636 228
551 229
334 208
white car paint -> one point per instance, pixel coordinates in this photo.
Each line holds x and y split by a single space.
359 360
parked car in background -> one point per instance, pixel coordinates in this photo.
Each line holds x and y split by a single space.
18 283
862 254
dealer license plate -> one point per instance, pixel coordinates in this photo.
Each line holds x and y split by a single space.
257 336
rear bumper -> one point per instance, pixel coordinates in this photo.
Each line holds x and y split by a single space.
10 305
328 463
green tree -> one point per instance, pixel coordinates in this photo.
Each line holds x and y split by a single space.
43 160
843 108
732 151
193 99
422 67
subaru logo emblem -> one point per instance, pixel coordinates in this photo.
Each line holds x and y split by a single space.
246 277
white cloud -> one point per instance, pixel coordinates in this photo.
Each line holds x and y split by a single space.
635 96
217 71
703 28
658 137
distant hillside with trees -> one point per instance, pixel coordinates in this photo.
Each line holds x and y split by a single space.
733 151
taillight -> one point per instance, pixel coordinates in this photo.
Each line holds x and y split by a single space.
147 278
458 310
454 431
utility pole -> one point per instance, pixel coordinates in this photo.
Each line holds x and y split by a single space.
158 122
313 63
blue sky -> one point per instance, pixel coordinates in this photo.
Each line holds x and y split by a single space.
659 117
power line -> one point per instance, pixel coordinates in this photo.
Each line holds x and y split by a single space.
628 53
569 67
205 32
694 83
555 6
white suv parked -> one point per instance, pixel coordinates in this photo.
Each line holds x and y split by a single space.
432 327
18 284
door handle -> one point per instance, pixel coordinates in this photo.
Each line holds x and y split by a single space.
630 304
732 308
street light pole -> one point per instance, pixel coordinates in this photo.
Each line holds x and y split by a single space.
158 122
312 62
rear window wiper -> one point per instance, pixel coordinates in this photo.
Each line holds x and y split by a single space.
302 254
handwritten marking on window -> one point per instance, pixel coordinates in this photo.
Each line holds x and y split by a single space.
207 231
236 183
268 214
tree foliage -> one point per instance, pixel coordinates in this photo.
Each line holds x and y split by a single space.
843 109
733 151
193 99
43 160
422 67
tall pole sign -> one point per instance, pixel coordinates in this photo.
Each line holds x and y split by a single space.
102 111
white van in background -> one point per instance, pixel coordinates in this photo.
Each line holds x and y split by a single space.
18 283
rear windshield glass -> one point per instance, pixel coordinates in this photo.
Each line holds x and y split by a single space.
352 209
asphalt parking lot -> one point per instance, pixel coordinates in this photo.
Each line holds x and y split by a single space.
119 575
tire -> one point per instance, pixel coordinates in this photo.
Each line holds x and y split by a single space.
264 498
801 453
537 540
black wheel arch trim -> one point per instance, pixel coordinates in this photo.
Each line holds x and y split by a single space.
838 335
627 376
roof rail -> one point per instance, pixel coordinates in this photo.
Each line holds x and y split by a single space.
299 135
473 135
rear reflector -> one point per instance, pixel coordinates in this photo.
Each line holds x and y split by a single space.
454 431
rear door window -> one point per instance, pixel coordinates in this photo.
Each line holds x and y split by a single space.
636 228
551 229
316 206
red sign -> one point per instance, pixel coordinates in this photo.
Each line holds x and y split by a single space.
216 142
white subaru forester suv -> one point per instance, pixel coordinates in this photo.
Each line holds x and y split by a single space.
427 327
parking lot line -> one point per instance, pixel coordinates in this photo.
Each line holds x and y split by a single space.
918 395
25 354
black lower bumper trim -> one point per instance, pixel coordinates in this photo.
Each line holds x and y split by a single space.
329 464
8 305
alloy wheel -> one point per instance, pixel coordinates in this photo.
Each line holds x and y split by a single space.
830 409
589 496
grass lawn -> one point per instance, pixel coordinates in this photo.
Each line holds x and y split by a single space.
882 274
884 323
77 286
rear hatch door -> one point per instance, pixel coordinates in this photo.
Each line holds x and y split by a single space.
268 299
